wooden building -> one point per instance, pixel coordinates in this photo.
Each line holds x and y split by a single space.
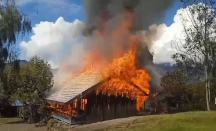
78 102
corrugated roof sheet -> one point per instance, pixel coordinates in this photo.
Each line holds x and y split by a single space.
75 87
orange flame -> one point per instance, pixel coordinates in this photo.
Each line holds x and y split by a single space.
66 108
125 78
119 66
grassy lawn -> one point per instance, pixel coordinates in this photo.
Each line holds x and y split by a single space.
190 121
17 124
9 120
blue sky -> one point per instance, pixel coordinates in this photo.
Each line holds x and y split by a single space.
50 10
38 11
171 12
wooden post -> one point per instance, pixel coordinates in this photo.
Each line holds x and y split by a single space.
144 105
71 105
78 105
127 107
115 106
103 103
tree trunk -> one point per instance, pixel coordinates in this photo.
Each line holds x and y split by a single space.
206 61
207 99
207 90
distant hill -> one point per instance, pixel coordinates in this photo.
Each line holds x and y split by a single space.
21 62
164 67
24 62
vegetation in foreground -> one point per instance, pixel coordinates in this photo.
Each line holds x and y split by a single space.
190 121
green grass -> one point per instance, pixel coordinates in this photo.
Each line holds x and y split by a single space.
190 121
9 120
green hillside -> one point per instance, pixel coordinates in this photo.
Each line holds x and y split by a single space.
190 121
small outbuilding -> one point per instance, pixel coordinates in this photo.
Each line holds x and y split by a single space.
13 110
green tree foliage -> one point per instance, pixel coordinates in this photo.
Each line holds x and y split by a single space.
174 83
13 23
30 86
9 86
199 46
187 92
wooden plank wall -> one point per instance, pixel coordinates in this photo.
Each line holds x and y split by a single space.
102 107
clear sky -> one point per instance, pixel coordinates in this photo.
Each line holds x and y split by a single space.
51 10
40 11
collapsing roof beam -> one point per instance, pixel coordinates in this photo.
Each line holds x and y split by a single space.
146 94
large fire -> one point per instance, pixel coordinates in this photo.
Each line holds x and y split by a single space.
125 79
121 73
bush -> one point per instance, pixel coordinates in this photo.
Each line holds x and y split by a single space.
51 123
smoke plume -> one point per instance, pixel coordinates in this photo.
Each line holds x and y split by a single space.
103 17
147 13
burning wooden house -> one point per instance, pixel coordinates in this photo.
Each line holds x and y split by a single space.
111 83
80 101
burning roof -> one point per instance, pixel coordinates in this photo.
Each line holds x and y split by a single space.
111 49
75 87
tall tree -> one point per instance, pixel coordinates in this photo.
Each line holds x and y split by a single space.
182 86
34 81
13 24
199 47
